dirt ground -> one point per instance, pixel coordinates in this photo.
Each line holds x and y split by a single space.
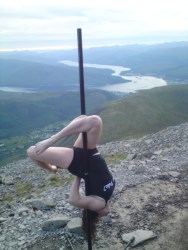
157 205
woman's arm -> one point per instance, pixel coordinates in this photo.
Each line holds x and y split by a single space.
78 125
86 202
74 195
43 145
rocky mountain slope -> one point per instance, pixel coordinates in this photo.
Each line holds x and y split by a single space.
151 193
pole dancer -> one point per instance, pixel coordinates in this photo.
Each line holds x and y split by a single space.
100 181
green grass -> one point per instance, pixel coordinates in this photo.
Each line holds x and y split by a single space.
57 180
7 198
24 189
114 158
145 112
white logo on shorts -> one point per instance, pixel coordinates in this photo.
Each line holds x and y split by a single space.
108 186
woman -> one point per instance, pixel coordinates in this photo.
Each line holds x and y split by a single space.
101 181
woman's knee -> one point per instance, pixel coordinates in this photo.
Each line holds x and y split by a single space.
95 121
31 151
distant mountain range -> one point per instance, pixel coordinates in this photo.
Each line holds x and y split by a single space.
40 69
42 76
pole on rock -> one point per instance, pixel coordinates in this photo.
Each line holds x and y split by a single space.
84 134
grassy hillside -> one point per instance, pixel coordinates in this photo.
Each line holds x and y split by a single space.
21 113
145 112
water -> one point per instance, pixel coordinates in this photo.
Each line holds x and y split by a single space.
18 90
136 82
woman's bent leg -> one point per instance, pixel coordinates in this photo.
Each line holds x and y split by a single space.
93 126
48 157
47 166
51 157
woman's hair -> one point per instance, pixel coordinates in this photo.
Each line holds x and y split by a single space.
94 218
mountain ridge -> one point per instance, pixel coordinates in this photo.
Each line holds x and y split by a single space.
169 61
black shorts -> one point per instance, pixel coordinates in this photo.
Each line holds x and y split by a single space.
76 167
101 182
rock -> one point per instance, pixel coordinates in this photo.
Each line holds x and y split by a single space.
21 226
131 167
127 206
139 235
42 204
158 152
107 219
130 157
164 176
2 219
167 175
146 154
75 225
22 210
174 174
55 223
21 243
21 238
6 180
149 141
140 170
2 238
12 214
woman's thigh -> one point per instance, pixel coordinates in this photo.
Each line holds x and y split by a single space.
93 134
58 156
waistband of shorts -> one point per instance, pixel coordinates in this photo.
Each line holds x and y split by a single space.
89 151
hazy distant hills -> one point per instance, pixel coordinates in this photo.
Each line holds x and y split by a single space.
40 69
43 76
168 60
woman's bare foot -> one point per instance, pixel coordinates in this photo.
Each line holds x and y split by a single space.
53 169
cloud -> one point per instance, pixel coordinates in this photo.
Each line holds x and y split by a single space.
55 21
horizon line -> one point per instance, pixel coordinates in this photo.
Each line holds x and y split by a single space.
66 47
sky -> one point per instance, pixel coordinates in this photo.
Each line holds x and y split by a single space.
50 24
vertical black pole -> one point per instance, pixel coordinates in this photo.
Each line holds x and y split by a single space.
84 134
